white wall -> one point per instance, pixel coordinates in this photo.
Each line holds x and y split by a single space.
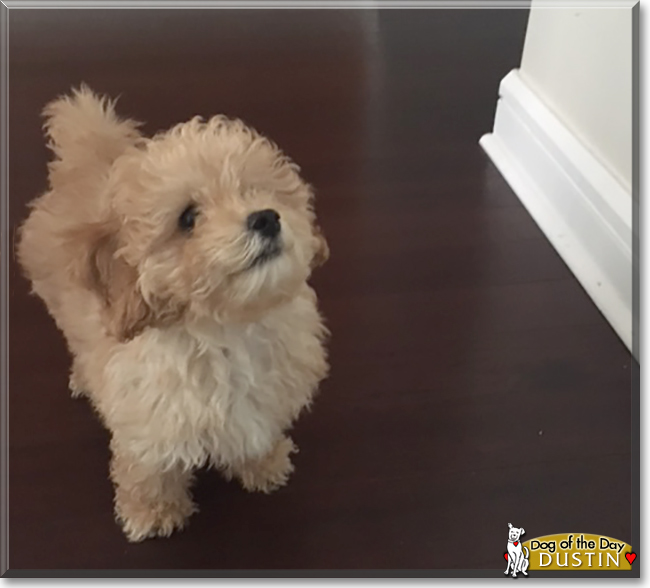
579 62
562 138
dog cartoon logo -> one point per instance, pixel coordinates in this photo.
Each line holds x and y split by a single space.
517 561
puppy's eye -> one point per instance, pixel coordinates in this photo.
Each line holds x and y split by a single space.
187 219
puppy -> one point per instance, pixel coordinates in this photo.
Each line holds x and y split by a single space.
176 268
517 561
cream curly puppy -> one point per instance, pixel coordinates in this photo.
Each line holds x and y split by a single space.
176 267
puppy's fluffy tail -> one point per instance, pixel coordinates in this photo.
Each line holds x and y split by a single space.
85 135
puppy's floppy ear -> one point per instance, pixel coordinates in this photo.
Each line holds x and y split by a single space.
101 269
510 525
321 248
322 251
521 531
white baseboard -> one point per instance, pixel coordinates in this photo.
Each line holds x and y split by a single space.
579 205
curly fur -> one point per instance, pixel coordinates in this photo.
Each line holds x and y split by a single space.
191 353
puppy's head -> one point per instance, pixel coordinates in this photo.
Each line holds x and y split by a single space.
515 533
207 219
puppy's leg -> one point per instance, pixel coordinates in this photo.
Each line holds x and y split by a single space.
508 565
267 473
150 502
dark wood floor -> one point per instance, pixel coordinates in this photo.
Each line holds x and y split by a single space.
473 382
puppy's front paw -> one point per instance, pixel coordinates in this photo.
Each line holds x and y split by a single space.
270 472
140 522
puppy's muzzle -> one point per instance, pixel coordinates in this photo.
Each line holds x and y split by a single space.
265 222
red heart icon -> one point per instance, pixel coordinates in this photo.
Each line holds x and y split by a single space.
630 557
506 556
516 543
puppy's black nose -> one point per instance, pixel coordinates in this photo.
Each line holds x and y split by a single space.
265 222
